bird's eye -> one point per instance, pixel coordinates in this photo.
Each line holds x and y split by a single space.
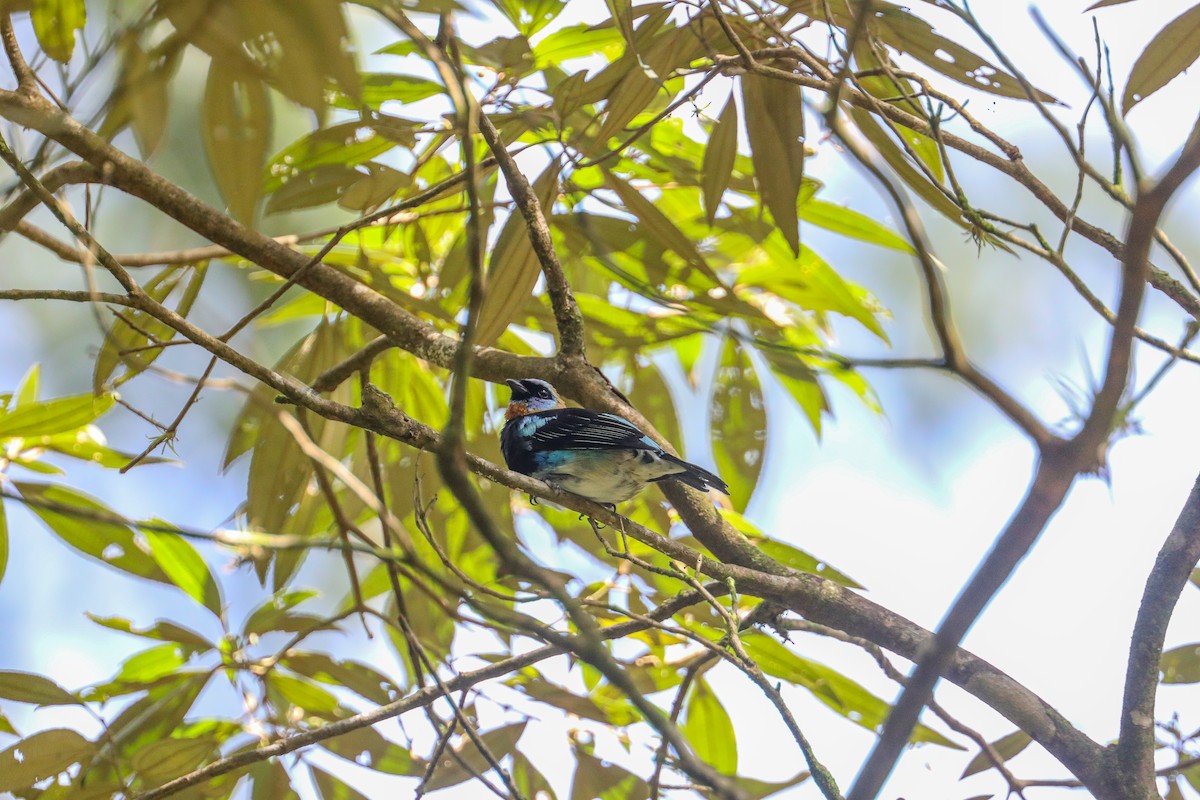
544 393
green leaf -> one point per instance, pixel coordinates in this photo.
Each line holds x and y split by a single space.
897 159
785 553
40 756
530 16
163 630
26 687
1006 747
152 664
346 144
1170 52
851 224
367 748
55 23
378 88
621 12
331 788
303 694
835 690
352 675
529 779
60 415
709 729
513 268
774 115
90 531
759 789
237 131
450 772
719 156
739 423
659 226
270 781
910 34
185 568
170 758
577 41
598 780
1181 664
269 615
133 329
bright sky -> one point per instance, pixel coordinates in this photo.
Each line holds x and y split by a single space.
907 503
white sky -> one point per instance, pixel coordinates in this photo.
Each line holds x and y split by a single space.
907 504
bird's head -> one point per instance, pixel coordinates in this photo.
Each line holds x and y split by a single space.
530 395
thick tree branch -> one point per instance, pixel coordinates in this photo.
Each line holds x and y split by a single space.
130 175
567 316
1134 767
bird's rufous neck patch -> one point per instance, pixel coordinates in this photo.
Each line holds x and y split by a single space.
516 409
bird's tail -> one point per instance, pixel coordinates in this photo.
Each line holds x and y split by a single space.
694 476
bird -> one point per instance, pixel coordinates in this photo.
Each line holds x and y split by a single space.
602 457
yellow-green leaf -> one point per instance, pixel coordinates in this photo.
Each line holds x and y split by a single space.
835 690
450 770
40 756
89 530
237 132
659 226
514 268
55 23
170 758
127 340
719 156
851 224
1170 52
1181 664
739 423
185 568
774 114
26 687
709 729
54 416
1006 747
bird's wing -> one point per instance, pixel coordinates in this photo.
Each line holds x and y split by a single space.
581 429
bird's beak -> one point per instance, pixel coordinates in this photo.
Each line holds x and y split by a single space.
515 385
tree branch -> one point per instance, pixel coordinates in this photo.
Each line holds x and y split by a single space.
567 316
1134 766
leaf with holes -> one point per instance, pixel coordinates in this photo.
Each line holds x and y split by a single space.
55 23
91 528
1172 50
40 756
739 423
